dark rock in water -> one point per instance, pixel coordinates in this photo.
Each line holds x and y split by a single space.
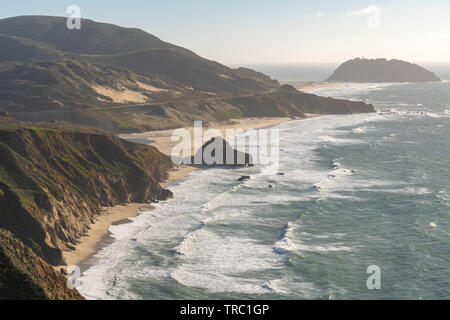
270 186
229 157
280 174
244 178
381 70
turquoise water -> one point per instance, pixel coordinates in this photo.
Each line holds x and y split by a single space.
358 190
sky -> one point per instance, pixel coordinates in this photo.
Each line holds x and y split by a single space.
276 31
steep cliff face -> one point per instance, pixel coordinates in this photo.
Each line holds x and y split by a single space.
23 275
54 180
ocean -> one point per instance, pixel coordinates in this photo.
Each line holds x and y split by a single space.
357 191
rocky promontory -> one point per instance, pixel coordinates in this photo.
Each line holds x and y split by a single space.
219 152
381 70
54 180
23 275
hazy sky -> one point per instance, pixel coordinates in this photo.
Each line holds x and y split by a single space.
276 31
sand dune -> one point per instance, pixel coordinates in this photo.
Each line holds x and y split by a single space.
122 95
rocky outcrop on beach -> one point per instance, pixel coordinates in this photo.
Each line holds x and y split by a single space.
24 275
381 70
55 177
219 152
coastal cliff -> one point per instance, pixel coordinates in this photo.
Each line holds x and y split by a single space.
23 275
54 179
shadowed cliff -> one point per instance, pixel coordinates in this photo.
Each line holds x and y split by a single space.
25 276
54 179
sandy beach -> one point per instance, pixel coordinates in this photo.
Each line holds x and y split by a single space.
88 245
162 139
98 235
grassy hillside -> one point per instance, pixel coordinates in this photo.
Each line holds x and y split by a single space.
93 38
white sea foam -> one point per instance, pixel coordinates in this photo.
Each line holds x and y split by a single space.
349 90
393 112
362 129
209 260
409 191
293 241
444 195
286 244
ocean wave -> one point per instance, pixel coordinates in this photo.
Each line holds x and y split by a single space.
218 200
210 260
348 91
277 286
292 241
326 248
286 245
328 184
411 113
409 191
362 129
443 195
327 139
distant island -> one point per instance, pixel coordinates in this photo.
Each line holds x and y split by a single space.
381 70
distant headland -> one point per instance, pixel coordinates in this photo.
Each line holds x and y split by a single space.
381 70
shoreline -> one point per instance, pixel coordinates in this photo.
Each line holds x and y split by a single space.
310 86
162 139
99 235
